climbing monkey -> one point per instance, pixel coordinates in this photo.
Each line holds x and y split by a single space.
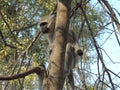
47 25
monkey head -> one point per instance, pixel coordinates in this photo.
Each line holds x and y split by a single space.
79 52
47 23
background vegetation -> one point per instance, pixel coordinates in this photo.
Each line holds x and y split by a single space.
21 49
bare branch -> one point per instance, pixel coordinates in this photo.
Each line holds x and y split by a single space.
4 41
112 13
38 70
9 28
112 84
24 28
30 45
116 34
54 10
100 57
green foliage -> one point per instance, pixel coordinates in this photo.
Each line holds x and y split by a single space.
18 24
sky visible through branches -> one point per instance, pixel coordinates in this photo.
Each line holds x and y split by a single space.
111 47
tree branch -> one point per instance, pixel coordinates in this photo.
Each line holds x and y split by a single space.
9 28
38 70
4 41
112 13
7 24
26 27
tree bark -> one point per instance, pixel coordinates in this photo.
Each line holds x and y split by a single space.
56 77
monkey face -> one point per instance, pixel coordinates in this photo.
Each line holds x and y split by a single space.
47 24
44 28
79 52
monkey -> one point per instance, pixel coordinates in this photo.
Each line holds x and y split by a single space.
47 25
48 29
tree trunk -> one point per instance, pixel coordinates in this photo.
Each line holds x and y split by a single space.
56 77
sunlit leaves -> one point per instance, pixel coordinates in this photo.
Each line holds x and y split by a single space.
3 53
47 5
19 14
18 27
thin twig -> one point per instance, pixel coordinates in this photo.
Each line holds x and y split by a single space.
4 41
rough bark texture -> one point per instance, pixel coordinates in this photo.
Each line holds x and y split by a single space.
55 79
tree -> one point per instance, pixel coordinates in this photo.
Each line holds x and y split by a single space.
57 59
21 49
